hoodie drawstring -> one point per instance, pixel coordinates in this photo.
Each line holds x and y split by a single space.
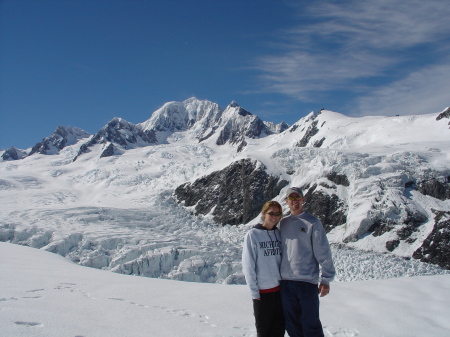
276 240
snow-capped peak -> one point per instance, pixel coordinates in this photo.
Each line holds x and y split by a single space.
181 116
62 137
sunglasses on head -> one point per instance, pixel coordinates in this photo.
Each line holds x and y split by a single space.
295 198
274 213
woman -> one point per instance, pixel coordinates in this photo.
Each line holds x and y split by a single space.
261 257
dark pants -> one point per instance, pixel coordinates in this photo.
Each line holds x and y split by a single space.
301 309
269 318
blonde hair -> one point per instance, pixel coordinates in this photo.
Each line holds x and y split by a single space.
267 205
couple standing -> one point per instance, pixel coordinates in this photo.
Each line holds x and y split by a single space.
281 268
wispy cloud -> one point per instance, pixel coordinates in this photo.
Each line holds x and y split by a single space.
421 92
367 48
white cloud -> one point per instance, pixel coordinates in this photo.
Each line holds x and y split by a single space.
424 91
358 46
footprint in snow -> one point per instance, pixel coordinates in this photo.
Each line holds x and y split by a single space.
29 324
339 332
176 312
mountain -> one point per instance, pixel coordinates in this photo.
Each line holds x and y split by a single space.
195 115
173 196
118 136
61 138
204 120
13 154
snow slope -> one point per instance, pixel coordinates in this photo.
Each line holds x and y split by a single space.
42 294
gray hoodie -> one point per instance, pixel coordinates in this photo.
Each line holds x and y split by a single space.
261 257
305 245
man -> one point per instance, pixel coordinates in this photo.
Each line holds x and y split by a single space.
304 246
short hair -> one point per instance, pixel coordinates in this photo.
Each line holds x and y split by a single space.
267 205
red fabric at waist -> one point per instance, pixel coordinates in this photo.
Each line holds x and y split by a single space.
271 290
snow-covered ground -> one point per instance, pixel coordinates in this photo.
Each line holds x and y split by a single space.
43 294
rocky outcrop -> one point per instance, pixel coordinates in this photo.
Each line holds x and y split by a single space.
121 133
437 188
339 179
444 114
61 138
206 120
233 195
312 131
108 151
328 208
436 247
13 154
404 230
236 124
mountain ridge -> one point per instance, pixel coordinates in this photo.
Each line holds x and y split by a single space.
378 184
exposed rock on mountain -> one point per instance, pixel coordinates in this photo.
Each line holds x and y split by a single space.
120 135
61 138
436 247
437 188
312 130
13 154
233 195
237 123
205 120
340 179
328 208
444 114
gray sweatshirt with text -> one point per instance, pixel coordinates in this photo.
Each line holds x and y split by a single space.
304 247
261 257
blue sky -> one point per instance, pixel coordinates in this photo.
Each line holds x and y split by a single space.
82 63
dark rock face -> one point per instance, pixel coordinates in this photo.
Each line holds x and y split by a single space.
293 128
235 195
108 152
10 154
233 133
404 228
444 114
437 188
339 179
241 110
319 142
114 132
391 245
58 140
329 209
120 132
410 225
436 247
228 133
380 227
312 130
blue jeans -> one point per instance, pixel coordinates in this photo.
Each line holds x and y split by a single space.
300 302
